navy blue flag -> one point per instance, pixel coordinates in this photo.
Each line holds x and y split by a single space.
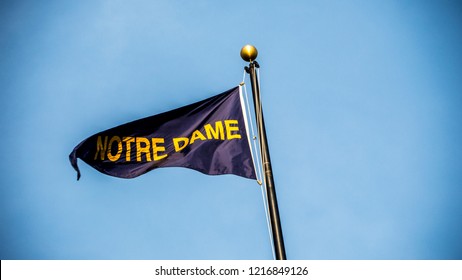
209 136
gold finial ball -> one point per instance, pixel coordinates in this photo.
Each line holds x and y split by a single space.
249 53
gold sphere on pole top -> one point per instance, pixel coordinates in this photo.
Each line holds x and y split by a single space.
249 53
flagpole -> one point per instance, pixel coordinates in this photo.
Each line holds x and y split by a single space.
249 53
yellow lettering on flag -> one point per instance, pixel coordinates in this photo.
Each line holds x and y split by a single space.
176 144
100 147
115 157
156 149
128 141
217 133
197 135
231 126
145 149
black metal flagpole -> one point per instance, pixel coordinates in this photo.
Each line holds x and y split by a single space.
249 53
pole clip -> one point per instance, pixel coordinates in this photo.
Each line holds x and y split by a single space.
255 64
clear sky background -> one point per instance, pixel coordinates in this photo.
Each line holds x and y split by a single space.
362 103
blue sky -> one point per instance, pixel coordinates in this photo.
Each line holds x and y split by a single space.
362 103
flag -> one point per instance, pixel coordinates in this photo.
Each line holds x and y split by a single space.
209 136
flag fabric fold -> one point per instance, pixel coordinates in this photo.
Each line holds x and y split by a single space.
209 136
